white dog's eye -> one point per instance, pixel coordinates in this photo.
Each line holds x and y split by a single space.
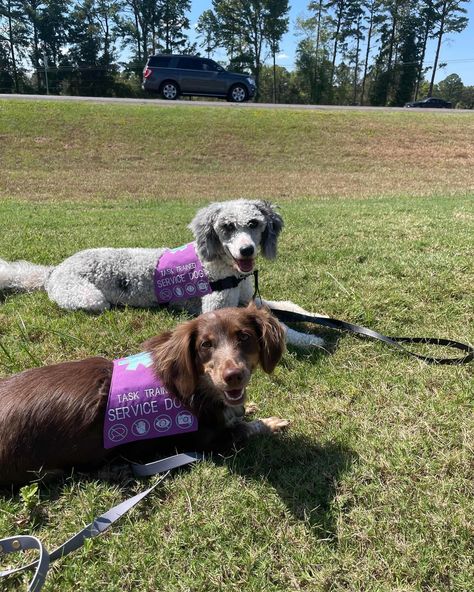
229 227
253 223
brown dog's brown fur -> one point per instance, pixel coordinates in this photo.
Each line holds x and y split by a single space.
51 418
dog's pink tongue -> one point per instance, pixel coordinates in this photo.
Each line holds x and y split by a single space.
235 396
245 264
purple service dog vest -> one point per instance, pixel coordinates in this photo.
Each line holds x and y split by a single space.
140 407
179 275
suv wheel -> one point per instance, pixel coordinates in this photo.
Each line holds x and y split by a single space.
238 93
169 90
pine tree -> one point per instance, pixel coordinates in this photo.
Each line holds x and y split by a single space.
450 18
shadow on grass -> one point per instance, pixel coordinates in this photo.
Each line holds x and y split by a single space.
304 474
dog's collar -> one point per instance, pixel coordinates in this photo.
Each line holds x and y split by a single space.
231 281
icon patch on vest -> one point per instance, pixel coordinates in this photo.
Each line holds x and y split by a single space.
140 407
179 275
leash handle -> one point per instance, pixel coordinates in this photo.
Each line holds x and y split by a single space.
96 527
294 317
24 543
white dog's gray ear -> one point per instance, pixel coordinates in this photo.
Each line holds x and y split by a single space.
273 229
202 226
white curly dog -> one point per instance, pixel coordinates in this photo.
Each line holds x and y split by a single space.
227 237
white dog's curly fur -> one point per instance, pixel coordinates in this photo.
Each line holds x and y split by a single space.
227 235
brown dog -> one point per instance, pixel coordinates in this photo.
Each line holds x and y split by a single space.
52 418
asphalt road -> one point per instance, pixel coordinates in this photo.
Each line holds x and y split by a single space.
222 104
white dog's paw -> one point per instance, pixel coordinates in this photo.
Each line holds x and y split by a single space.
303 339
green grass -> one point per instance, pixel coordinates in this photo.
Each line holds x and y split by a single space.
371 487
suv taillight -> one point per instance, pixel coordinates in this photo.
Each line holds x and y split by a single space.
147 72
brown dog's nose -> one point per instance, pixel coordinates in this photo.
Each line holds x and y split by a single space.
233 376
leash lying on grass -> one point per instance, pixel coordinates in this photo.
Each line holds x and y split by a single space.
98 526
286 316
294 317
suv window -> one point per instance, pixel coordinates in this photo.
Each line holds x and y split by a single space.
210 66
189 64
159 61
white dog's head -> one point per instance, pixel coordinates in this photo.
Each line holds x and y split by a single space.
234 230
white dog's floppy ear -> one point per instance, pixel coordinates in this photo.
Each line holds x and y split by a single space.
273 229
202 226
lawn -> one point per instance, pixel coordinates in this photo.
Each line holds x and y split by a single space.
371 487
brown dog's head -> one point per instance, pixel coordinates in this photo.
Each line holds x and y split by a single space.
217 352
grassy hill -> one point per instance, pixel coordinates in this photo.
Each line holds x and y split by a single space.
78 151
371 487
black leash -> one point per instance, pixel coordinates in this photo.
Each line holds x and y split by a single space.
96 527
286 316
294 317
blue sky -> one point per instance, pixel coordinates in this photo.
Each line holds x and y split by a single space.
457 49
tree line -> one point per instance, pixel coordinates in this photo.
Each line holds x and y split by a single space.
368 52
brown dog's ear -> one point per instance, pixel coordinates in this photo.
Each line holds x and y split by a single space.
174 359
271 337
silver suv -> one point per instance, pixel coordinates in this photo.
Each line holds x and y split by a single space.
175 75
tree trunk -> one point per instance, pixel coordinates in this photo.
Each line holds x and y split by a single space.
367 52
356 65
422 59
138 37
274 77
334 53
36 52
318 33
438 47
12 46
390 56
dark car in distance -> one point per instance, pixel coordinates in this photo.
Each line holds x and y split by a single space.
431 103
173 75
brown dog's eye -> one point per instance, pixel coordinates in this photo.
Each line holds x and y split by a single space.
241 336
253 223
206 344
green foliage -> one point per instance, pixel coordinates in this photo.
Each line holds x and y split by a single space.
467 98
451 89
29 495
207 29
349 51
313 65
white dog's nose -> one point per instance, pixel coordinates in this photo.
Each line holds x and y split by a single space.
247 251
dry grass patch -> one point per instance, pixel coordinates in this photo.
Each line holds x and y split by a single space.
81 151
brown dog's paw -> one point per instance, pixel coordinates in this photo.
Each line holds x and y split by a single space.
251 408
275 424
269 425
